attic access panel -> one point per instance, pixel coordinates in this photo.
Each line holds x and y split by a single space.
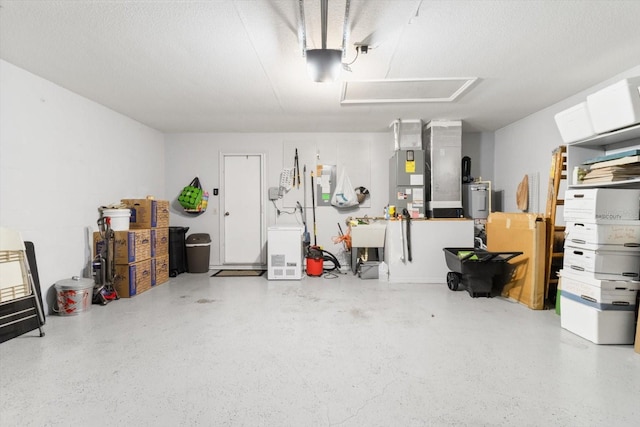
404 90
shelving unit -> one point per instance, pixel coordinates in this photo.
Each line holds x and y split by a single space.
584 267
601 145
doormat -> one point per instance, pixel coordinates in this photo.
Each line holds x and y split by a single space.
238 273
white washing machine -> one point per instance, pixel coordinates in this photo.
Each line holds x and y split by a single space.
284 252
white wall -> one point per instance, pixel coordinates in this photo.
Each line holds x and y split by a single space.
480 148
525 146
190 155
61 157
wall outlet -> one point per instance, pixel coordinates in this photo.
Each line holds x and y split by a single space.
274 193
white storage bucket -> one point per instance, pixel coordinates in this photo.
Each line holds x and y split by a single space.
73 296
574 123
119 218
615 106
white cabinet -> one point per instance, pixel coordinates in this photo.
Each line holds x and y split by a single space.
601 145
284 245
428 238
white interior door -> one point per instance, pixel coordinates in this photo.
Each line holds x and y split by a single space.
243 221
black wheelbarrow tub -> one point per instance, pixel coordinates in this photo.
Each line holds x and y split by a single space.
475 269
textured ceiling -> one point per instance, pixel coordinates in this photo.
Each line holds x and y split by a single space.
237 65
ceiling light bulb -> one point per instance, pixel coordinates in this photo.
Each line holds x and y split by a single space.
324 65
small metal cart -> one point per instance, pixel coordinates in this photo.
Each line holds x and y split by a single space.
475 269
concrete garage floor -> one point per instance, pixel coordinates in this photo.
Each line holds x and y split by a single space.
215 351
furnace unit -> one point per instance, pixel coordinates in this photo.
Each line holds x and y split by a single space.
443 151
406 187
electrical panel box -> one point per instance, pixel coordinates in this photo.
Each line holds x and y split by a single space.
284 248
406 186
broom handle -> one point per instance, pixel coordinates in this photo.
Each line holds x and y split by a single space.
313 210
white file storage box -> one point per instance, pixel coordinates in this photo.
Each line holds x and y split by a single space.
616 106
598 326
574 123
607 285
607 265
591 204
615 294
604 234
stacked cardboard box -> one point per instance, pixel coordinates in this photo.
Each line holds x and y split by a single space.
601 264
637 346
141 253
132 256
153 215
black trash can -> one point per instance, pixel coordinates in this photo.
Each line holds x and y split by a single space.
177 250
198 252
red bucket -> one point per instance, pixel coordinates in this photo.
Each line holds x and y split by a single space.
314 266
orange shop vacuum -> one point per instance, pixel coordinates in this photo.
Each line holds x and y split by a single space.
315 261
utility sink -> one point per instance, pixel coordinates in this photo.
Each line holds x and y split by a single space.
368 235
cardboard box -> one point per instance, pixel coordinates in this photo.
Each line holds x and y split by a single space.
526 233
162 213
159 270
133 279
637 346
159 242
130 246
148 213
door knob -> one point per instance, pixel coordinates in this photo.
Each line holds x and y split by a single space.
226 214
